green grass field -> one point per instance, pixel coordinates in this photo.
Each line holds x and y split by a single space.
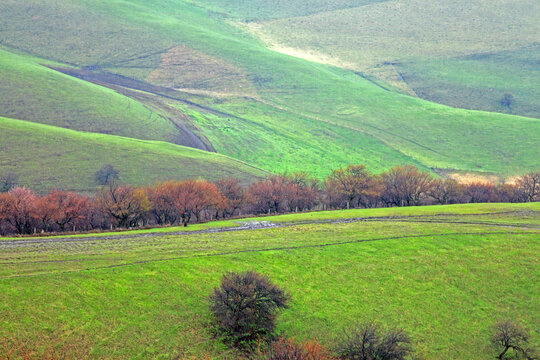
47 157
286 114
31 91
444 273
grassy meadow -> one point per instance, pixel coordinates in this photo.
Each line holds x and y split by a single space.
444 273
47 157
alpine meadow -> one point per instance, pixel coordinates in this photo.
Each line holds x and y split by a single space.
269 180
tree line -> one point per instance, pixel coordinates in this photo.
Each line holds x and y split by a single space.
114 205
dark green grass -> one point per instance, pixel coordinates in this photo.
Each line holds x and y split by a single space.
446 284
47 157
301 101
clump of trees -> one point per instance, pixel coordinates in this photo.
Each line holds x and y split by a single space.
368 342
182 202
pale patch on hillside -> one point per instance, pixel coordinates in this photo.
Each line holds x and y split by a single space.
257 30
185 68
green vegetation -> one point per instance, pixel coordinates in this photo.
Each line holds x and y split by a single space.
480 81
434 279
46 157
33 92
287 114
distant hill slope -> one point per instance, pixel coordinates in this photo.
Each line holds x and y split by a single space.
31 91
377 38
47 157
277 112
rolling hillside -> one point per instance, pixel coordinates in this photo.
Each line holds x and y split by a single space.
382 38
47 157
275 111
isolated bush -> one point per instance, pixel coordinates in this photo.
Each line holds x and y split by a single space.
507 100
8 181
510 341
288 349
367 342
245 307
106 174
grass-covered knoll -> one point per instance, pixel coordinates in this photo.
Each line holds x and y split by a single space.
33 92
292 102
445 283
480 81
47 157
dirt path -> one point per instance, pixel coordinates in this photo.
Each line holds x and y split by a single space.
258 225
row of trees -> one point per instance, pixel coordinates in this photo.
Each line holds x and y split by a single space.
181 202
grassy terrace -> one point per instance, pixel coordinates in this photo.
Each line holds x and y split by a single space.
444 273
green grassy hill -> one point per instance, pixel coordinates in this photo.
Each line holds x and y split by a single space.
275 111
480 81
434 36
47 157
445 274
31 91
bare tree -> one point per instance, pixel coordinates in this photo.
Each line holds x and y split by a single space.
367 342
511 341
405 185
106 174
8 181
529 185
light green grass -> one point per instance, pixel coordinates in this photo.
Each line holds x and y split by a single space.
446 284
47 157
30 91
303 116
480 81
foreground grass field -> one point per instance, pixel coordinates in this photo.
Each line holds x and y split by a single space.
444 273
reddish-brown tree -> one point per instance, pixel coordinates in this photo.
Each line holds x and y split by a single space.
124 205
270 195
20 209
234 195
163 199
68 208
444 191
302 192
405 186
196 196
354 185
479 192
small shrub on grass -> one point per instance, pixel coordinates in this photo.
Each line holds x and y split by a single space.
367 342
245 306
288 349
